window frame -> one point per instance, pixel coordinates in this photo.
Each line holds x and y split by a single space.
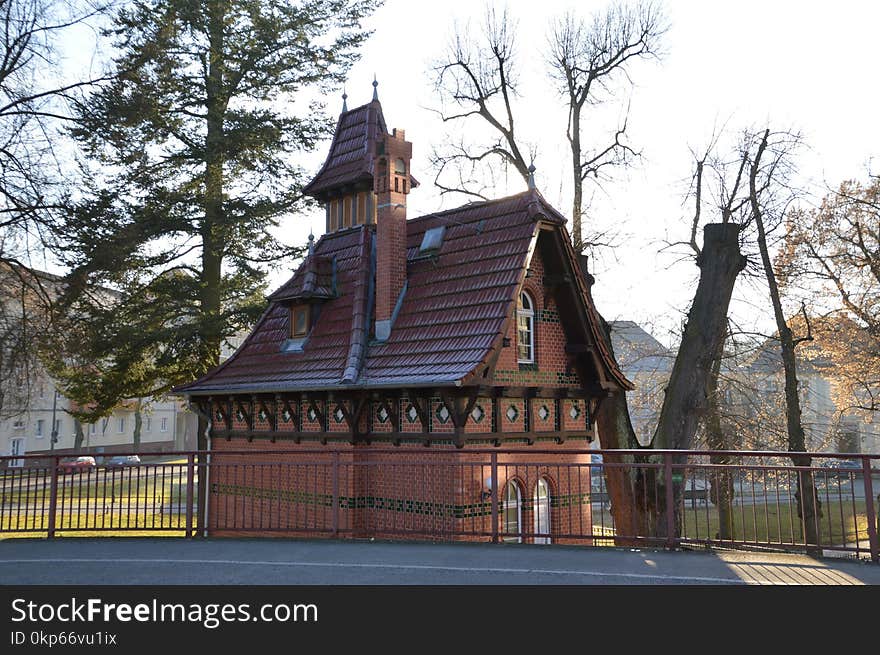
542 536
528 314
295 310
508 504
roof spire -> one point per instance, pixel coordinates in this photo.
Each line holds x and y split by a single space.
344 100
375 89
311 243
532 176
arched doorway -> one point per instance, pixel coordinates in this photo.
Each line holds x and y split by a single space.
512 512
542 512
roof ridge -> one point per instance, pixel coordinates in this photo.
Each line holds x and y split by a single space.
474 204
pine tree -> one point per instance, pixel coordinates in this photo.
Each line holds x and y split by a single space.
187 167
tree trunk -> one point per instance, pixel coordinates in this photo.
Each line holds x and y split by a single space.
685 402
615 431
78 436
808 505
212 227
638 500
136 440
721 490
577 179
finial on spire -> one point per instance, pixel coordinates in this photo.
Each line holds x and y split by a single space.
375 89
344 100
311 243
532 176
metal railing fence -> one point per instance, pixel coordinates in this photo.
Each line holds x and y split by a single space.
731 499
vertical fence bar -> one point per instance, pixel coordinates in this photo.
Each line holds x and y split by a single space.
494 490
53 497
869 509
190 479
335 517
670 501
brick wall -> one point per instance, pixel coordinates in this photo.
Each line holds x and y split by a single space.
550 366
410 492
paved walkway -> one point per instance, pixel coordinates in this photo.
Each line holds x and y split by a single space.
276 561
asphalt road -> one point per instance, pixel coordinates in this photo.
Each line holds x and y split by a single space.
276 561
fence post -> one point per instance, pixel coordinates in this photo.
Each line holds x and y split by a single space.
670 501
53 498
336 493
869 508
200 499
494 491
190 478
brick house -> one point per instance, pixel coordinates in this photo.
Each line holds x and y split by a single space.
402 337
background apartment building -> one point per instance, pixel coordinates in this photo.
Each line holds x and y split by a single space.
752 395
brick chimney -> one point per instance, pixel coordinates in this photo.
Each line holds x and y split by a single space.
391 184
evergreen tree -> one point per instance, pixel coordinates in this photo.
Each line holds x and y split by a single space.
187 168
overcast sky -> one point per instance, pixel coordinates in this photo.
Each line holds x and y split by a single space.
807 66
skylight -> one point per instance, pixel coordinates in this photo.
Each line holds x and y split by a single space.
433 240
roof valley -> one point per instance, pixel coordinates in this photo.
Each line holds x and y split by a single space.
361 310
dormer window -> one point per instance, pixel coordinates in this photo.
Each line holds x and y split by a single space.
299 321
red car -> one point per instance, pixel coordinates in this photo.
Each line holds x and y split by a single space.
76 465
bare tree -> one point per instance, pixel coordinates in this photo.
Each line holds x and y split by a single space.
478 79
767 215
756 172
831 258
33 96
590 61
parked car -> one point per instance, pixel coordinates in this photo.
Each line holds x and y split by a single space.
76 465
122 460
842 468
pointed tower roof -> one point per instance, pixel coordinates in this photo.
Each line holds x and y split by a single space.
351 156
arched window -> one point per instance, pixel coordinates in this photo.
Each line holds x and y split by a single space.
399 166
512 512
525 329
542 512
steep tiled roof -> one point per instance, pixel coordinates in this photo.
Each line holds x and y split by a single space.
450 321
351 156
259 361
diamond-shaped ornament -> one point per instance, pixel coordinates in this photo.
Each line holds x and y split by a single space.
382 414
313 416
512 413
412 414
574 412
477 414
339 415
543 413
442 414
285 416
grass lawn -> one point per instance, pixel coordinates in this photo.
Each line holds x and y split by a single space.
841 523
102 486
101 503
102 524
